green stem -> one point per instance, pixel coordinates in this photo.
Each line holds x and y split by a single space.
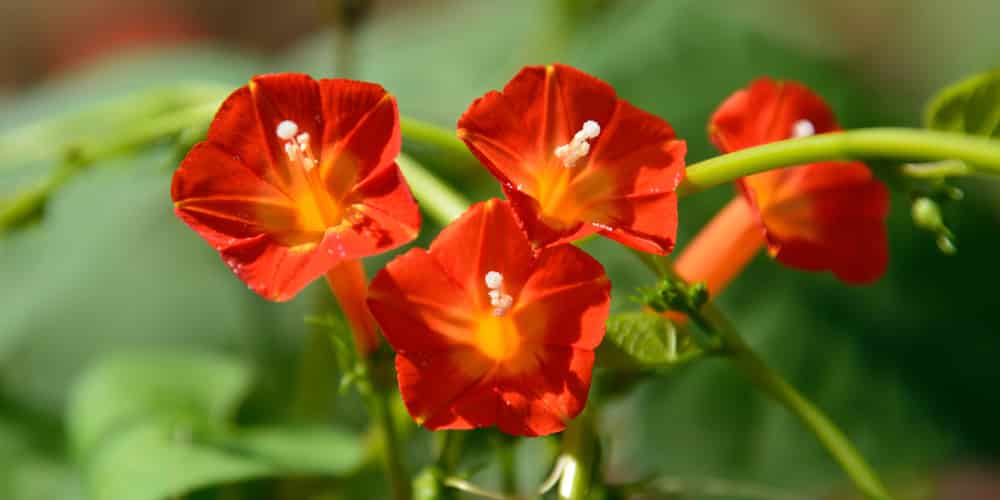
771 383
982 155
449 154
508 466
78 157
392 451
831 437
437 198
105 122
579 453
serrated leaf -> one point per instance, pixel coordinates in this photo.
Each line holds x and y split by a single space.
154 426
971 106
639 340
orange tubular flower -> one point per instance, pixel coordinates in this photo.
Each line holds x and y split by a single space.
816 217
574 159
489 332
297 178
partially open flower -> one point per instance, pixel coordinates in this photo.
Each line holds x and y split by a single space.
816 217
574 159
296 176
489 332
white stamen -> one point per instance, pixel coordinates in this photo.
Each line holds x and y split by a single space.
292 151
578 148
494 280
803 128
500 301
296 145
502 305
287 129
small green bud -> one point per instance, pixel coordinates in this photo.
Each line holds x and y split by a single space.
698 294
927 214
946 245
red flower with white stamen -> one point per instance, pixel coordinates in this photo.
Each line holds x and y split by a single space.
574 159
295 177
489 332
821 216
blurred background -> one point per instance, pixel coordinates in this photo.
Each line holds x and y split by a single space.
907 367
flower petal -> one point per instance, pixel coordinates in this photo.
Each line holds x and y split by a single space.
540 402
566 300
830 216
419 307
485 238
280 97
224 199
515 133
385 212
449 389
361 132
274 271
623 186
237 130
766 111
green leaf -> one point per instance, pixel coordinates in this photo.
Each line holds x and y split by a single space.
128 388
154 426
154 461
971 106
639 340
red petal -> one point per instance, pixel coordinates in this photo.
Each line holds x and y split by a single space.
448 389
420 308
626 183
274 271
280 97
485 238
565 301
387 214
361 132
542 401
514 133
766 111
223 199
236 128
830 216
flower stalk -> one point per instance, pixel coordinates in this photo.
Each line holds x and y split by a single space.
737 351
980 154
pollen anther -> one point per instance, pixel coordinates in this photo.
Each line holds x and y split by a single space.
803 128
287 129
297 146
500 301
578 148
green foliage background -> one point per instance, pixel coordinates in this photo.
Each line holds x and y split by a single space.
905 366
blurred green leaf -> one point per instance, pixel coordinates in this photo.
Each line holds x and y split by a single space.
971 106
154 426
639 340
129 388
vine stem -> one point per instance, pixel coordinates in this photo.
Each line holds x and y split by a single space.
396 471
981 154
736 350
579 452
828 434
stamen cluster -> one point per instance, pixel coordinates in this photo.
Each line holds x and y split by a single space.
500 301
296 145
578 148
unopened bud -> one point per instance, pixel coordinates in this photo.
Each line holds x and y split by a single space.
927 214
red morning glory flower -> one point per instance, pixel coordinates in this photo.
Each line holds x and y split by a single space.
574 159
297 176
822 216
488 331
